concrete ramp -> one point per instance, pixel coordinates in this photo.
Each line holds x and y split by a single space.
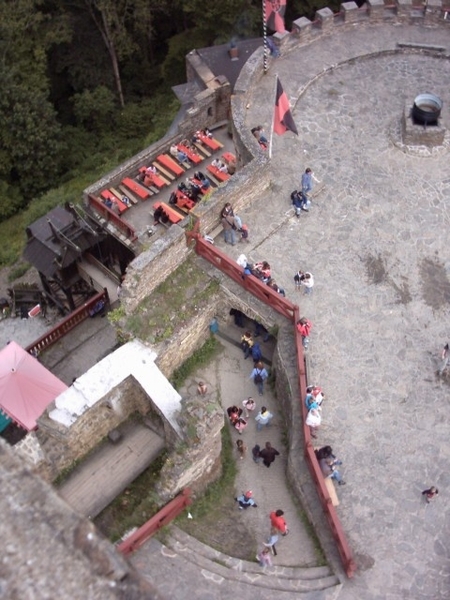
108 471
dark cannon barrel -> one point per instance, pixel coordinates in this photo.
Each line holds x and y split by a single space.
426 109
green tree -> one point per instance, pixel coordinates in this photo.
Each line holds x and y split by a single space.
30 138
95 110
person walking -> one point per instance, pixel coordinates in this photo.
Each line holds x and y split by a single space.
259 375
272 540
245 500
247 343
445 355
249 406
264 558
241 449
268 454
256 454
263 418
430 493
307 187
278 522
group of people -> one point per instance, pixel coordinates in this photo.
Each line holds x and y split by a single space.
262 270
232 223
181 156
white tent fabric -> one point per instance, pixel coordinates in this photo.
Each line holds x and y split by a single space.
26 386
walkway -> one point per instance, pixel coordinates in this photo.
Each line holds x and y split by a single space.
376 240
108 471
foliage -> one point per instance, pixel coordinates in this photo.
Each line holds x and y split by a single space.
134 506
199 358
95 110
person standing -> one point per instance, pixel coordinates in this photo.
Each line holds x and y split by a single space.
304 327
263 418
307 282
268 454
307 187
278 522
259 375
445 355
229 227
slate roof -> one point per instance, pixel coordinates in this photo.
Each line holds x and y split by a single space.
52 250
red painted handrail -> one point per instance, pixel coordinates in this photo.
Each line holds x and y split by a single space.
110 215
51 336
292 312
162 518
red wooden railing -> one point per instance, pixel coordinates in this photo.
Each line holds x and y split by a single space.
110 215
162 518
64 326
291 312
249 282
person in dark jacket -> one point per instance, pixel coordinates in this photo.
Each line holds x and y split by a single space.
268 454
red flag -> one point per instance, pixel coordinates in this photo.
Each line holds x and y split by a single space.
274 11
283 118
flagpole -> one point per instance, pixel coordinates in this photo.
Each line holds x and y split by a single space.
265 66
273 118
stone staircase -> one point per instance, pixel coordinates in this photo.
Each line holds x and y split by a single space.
182 567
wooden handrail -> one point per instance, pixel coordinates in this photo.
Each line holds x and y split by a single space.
53 335
110 215
163 517
292 312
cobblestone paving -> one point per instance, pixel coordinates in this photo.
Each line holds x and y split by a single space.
376 240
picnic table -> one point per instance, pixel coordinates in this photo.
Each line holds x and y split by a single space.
209 141
218 174
152 179
183 201
135 187
171 214
193 156
168 162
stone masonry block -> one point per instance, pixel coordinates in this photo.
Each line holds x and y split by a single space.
376 9
350 10
302 28
325 17
404 8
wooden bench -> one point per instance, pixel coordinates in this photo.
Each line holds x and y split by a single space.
169 163
202 149
107 195
172 214
127 192
331 491
170 176
193 156
218 174
119 195
135 187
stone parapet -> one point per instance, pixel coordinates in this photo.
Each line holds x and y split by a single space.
325 18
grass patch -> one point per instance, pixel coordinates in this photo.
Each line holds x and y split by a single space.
134 506
199 358
186 292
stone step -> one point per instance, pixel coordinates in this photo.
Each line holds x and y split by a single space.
269 578
177 534
177 577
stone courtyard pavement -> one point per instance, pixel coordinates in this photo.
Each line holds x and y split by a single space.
376 240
